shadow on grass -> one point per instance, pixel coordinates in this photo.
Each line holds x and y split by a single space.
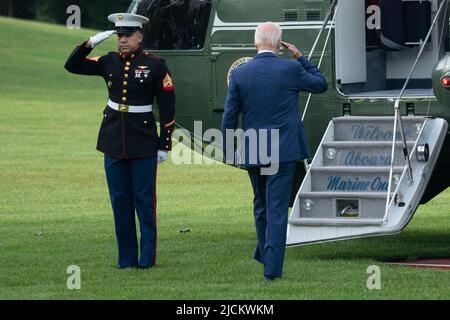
408 245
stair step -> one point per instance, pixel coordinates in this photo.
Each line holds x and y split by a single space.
324 194
377 119
344 193
357 169
362 153
332 205
352 179
366 144
338 222
374 128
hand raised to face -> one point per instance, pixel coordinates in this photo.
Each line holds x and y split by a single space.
293 49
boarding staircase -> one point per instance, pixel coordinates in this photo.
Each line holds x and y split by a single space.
345 192
369 173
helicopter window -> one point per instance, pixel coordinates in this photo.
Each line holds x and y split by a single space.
175 24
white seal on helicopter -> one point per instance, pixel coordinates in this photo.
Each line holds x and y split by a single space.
236 64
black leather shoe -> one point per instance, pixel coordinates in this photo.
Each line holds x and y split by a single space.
146 267
271 279
127 267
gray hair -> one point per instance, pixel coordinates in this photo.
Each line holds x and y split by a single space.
268 33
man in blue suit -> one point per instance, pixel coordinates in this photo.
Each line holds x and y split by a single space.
266 91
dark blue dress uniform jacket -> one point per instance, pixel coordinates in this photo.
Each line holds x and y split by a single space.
266 91
135 81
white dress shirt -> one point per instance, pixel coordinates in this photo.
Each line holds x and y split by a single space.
264 51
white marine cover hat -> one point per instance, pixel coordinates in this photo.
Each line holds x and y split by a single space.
127 22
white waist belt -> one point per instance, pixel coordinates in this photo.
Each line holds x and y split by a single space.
127 108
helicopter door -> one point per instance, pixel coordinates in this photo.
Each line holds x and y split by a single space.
377 43
350 42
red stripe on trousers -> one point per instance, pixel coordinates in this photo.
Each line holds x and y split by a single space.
154 212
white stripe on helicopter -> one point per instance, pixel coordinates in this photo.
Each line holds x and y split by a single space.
219 25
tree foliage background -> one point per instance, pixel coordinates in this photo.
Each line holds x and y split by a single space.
93 12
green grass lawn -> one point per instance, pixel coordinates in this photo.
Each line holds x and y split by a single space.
55 210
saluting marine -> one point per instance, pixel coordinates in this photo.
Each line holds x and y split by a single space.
128 134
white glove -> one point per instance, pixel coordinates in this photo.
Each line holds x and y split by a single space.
162 156
100 37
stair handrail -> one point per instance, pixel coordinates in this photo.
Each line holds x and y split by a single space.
322 29
398 118
324 25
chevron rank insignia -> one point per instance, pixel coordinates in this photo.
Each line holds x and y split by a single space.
168 83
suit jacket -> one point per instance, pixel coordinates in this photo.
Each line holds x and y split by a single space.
136 80
266 91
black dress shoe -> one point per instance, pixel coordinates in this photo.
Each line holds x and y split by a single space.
127 267
271 279
146 267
